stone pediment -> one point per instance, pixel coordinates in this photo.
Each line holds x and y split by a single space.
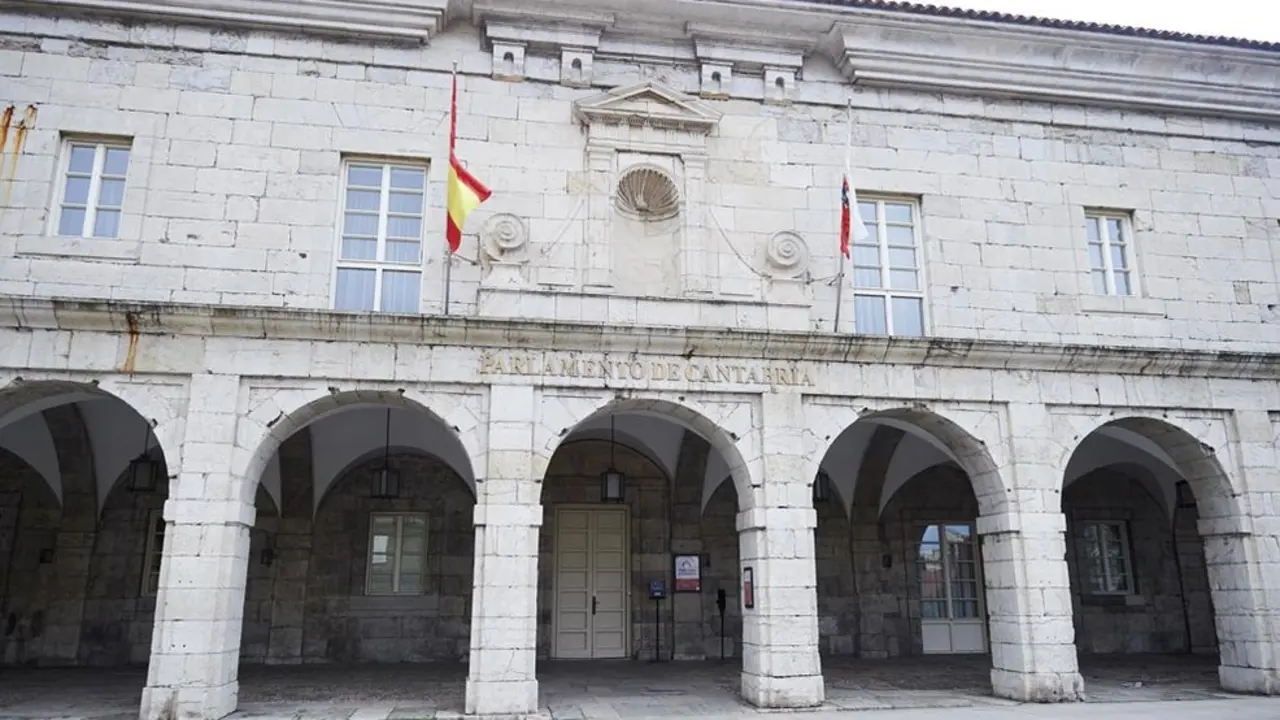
648 104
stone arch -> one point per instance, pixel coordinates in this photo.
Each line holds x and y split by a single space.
954 435
631 444
277 413
368 455
110 409
728 426
1193 457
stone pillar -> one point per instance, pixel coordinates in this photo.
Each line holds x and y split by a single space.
1244 578
1033 652
1024 552
504 609
780 663
1242 556
195 646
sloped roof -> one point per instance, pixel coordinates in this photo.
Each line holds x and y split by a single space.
1012 19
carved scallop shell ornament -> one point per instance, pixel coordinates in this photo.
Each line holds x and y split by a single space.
648 194
787 254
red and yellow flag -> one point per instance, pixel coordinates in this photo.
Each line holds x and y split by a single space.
465 192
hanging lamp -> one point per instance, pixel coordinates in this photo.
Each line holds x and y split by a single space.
822 487
144 472
612 481
386 479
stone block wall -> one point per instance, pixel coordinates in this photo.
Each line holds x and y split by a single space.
310 605
1171 585
29 524
71 588
239 137
119 613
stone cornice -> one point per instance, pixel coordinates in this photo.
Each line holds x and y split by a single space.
875 46
386 20
319 325
973 58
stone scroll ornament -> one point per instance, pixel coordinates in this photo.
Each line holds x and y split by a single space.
504 237
788 255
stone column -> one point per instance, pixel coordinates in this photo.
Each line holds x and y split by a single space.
1033 652
195 646
1243 578
1024 553
1242 556
780 663
504 609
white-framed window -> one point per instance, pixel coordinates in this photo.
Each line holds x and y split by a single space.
379 265
888 287
90 189
1108 566
1110 252
153 554
397 554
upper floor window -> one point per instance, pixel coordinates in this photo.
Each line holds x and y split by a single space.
397 554
1110 253
91 192
1108 567
888 291
380 248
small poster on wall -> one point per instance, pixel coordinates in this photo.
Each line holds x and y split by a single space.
688 574
748 589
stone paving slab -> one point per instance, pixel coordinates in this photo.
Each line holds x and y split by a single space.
594 691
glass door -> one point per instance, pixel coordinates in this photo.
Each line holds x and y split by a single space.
948 570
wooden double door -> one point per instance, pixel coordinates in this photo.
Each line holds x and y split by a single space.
591 617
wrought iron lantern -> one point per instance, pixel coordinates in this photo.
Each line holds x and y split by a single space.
386 479
613 483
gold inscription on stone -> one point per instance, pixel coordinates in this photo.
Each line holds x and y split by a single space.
709 371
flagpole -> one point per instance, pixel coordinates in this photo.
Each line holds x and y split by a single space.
453 137
848 151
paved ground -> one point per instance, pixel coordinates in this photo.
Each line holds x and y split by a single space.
629 690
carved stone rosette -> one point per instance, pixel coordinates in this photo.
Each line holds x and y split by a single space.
787 255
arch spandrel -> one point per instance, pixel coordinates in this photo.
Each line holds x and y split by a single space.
728 425
1198 443
273 414
973 437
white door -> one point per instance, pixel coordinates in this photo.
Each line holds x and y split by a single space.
591 583
950 591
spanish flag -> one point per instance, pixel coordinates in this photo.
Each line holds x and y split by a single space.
465 191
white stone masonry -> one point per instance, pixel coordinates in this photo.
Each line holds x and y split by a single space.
504 616
195 652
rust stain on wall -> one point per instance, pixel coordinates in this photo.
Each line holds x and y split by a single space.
24 126
6 119
131 357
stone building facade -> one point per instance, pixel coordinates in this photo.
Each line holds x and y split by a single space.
251 412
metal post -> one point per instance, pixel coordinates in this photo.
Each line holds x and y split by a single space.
448 279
